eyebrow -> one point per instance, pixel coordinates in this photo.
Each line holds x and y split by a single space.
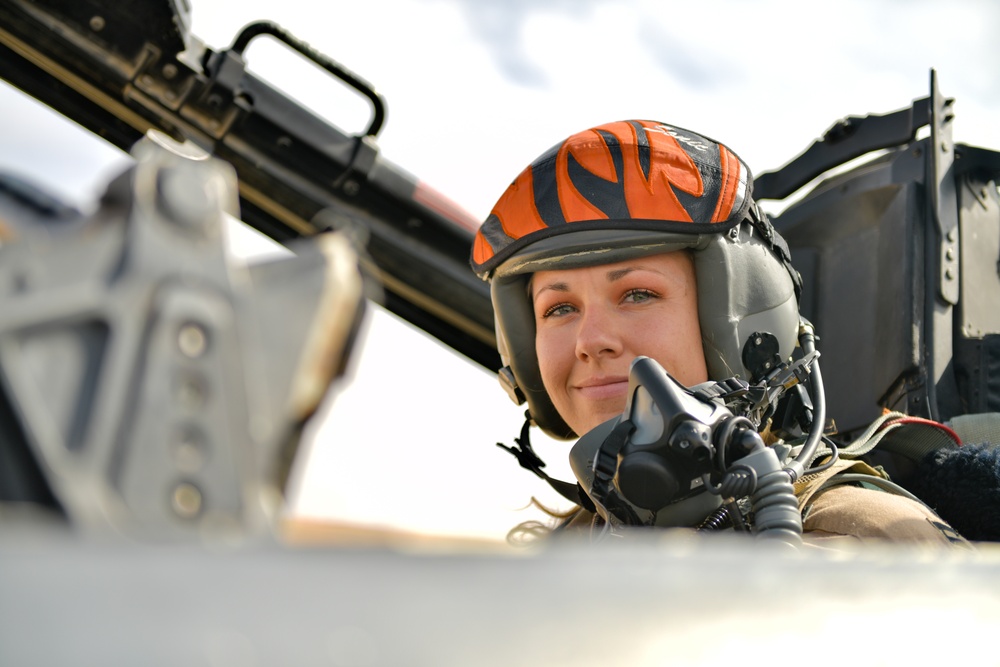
611 276
555 287
620 273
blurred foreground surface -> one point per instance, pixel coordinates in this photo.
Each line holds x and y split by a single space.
371 599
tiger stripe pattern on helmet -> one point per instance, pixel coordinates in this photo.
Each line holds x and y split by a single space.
635 174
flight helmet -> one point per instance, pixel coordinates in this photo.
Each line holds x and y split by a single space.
630 189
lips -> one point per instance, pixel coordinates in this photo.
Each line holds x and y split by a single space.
596 389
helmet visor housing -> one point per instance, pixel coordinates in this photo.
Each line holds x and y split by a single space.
641 175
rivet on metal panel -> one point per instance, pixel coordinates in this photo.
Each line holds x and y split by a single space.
97 23
192 340
186 500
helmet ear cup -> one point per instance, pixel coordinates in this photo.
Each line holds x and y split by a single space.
743 288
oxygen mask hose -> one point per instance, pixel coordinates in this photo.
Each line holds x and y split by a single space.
807 339
775 508
760 475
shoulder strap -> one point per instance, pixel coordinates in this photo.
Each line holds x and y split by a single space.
912 437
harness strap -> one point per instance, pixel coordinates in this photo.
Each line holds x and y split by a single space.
779 246
605 467
912 437
915 438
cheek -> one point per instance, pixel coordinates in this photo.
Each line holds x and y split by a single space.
681 351
550 350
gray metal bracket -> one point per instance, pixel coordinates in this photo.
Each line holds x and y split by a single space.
161 383
943 199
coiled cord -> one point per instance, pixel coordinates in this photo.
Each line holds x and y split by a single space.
776 510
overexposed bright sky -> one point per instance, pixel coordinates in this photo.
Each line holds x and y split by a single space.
475 90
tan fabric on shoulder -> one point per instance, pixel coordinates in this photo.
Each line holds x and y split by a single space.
848 511
863 513
808 485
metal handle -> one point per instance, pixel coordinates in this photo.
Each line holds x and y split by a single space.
258 28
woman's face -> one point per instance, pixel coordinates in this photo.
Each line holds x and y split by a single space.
592 322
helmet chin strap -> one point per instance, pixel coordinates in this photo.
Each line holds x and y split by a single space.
529 460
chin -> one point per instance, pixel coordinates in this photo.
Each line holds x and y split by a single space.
586 415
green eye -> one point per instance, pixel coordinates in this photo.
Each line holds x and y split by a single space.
639 295
557 310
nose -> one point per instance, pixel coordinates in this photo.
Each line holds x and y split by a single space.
598 335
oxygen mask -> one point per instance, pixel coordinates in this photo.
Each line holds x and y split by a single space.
677 456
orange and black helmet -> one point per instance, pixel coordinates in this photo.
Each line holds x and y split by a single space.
628 189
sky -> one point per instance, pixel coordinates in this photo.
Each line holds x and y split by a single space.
475 90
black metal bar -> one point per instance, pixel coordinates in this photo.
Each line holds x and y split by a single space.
847 139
